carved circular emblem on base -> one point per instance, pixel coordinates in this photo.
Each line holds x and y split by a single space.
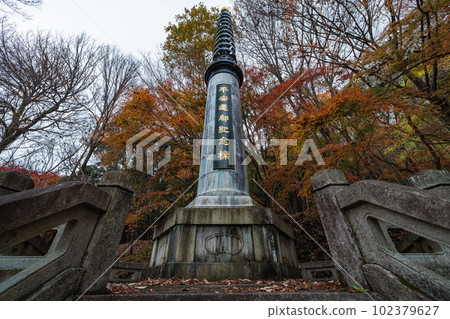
218 244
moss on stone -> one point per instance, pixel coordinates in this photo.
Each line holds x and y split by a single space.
407 284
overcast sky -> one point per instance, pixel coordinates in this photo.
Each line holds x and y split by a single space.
133 25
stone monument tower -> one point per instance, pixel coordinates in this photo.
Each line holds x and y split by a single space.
222 233
223 179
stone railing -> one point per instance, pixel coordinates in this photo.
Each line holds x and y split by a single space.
84 223
323 270
128 272
389 238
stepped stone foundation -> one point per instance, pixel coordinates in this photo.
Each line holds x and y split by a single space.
221 243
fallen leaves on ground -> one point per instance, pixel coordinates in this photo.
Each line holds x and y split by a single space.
226 286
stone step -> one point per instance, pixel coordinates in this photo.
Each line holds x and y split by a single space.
220 296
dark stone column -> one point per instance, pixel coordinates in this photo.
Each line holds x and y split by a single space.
223 180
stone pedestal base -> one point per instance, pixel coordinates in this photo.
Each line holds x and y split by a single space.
221 243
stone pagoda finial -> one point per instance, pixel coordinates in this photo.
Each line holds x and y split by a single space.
224 59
